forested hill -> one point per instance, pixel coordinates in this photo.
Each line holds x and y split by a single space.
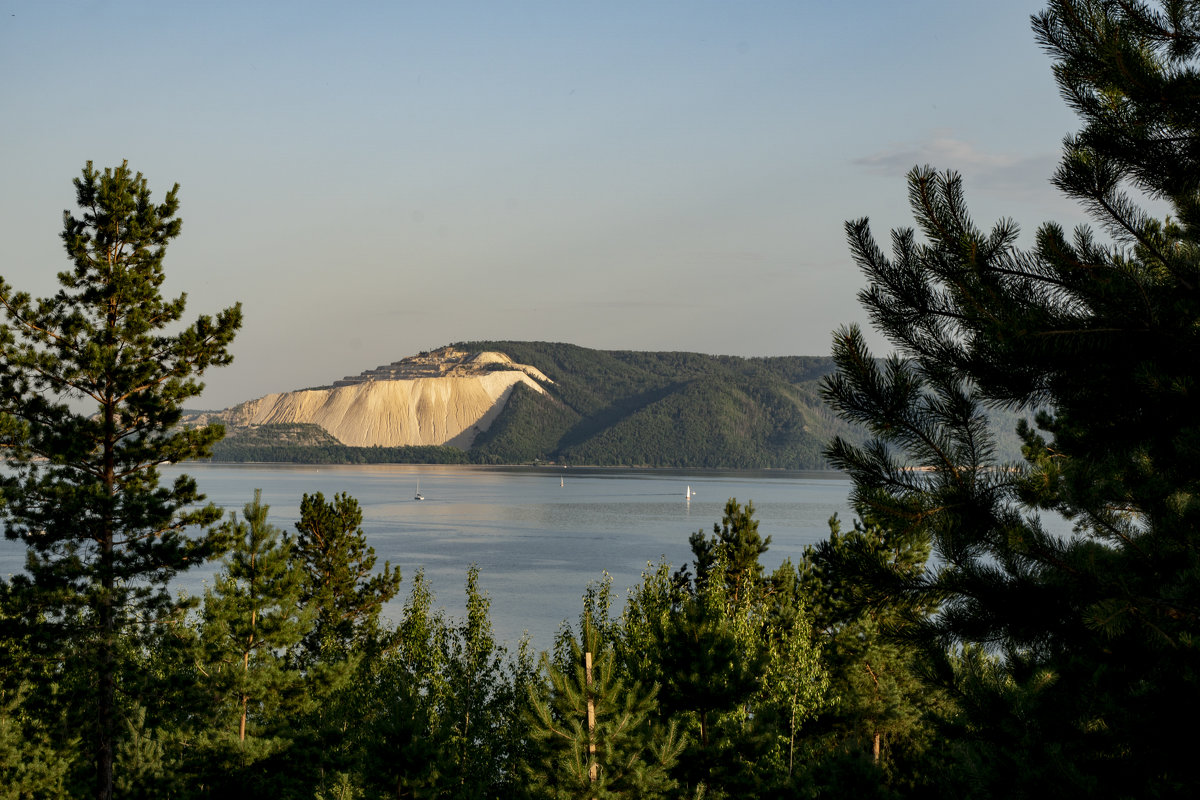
662 409
614 408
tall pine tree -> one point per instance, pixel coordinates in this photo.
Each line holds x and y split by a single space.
91 388
1088 668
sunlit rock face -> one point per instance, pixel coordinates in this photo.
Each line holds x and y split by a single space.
446 397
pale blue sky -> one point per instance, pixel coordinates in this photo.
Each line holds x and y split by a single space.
374 179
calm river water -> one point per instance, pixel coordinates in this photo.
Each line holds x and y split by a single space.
538 535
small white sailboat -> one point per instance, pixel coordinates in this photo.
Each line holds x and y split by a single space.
418 495
688 496
560 480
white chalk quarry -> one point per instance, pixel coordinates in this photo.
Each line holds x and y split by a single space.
446 397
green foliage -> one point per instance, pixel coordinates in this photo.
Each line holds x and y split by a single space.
401 699
478 708
146 762
1089 638
340 586
439 716
736 659
735 545
251 619
527 430
664 410
31 765
593 733
884 714
91 390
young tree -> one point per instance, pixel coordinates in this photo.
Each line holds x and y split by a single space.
737 543
1092 634
341 585
251 618
30 763
441 711
402 702
478 707
593 732
91 388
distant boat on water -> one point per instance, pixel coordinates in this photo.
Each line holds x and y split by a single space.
418 495
688 495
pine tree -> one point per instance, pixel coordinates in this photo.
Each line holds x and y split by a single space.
341 585
31 764
1090 637
593 732
737 543
713 655
883 715
91 390
250 620
343 648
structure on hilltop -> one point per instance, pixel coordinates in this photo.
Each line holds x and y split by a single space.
446 362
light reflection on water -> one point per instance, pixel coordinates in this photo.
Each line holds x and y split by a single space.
537 543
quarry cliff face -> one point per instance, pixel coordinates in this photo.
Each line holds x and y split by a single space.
446 397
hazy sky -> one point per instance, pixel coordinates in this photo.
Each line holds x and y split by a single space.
372 179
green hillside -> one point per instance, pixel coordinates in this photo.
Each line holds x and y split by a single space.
662 409
616 408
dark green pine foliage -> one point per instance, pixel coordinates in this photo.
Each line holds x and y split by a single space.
251 619
149 763
347 597
39 744
341 584
881 726
91 390
1090 668
593 732
706 666
32 764
711 660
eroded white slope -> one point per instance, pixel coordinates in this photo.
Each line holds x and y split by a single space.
423 411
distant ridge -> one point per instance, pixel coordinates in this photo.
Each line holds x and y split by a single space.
511 402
